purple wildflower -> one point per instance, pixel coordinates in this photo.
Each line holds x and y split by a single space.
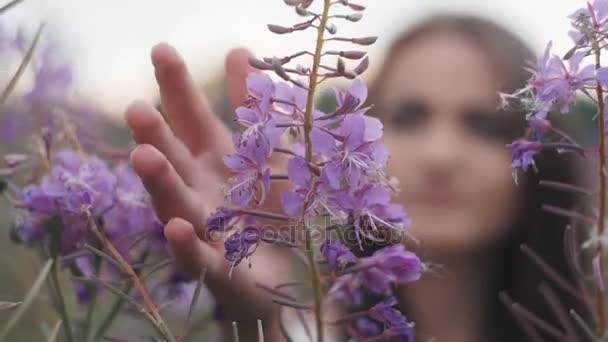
222 219
391 264
363 328
523 153
556 82
358 159
242 245
251 175
338 256
386 313
372 213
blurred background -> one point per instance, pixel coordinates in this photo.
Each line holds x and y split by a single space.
108 42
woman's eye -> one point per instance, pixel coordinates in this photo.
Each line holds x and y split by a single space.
491 126
409 115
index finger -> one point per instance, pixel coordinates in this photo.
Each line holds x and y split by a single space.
187 108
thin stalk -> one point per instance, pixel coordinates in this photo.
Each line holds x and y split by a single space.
601 325
308 121
63 311
149 304
108 319
93 304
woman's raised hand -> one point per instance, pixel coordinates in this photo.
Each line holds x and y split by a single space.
180 164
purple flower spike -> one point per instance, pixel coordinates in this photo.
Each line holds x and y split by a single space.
523 153
338 256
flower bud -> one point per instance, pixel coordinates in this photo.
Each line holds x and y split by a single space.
364 40
302 12
279 29
302 69
306 3
292 2
340 68
278 69
260 65
331 28
356 7
301 26
349 74
362 67
352 54
354 17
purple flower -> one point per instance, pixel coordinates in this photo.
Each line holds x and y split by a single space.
602 77
539 126
320 197
358 160
347 288
77 186
252 178
352 99
363 328
386 313
256 114
372 213
556 82
242 245
523 153
391 264
595 15
222 219
338 256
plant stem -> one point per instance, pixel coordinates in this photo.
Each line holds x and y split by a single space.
308 123
63 312
93 304
146 298
108 319
602 193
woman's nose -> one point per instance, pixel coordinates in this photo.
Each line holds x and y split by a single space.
442 145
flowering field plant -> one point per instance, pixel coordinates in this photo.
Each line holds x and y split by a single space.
88 214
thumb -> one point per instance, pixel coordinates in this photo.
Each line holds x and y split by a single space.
191 254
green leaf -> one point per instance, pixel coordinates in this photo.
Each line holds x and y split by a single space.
29 299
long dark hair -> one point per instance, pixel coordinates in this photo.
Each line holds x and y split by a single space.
517 275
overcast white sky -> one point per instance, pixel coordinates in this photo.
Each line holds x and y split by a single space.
108 41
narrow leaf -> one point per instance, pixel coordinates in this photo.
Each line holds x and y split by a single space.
26 60
197 292
55 333
9 305
29 299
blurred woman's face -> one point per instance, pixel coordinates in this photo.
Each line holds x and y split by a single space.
448 143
